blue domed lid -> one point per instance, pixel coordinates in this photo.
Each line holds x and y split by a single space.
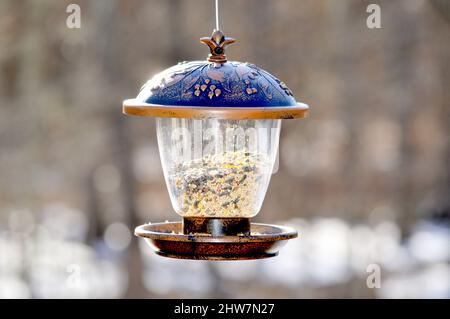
203 83
216 82
215 88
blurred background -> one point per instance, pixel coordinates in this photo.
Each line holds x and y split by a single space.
365 180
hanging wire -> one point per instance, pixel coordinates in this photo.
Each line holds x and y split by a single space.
217 15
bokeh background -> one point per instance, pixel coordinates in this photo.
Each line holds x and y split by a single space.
365 180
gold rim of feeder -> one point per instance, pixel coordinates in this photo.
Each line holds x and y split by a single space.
136 108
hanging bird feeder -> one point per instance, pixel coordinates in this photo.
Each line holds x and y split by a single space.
218 127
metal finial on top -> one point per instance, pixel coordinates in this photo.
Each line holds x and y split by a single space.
217 43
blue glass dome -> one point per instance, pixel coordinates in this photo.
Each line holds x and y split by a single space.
206 83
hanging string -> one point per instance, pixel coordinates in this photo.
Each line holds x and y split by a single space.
217 15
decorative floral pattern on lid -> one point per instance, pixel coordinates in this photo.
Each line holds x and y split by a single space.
202 83
216 82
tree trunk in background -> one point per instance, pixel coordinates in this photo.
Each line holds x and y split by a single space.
340 17
445 73
442 7
405 39
259 24
108 18
175 28
96 226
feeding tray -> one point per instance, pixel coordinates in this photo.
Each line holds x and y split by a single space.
168 240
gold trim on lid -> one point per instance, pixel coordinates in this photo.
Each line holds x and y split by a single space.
139 108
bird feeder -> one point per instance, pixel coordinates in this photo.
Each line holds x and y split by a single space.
218 127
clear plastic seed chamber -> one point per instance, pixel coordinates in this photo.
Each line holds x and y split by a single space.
217 168
218 129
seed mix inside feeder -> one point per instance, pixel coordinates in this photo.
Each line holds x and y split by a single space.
218 128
